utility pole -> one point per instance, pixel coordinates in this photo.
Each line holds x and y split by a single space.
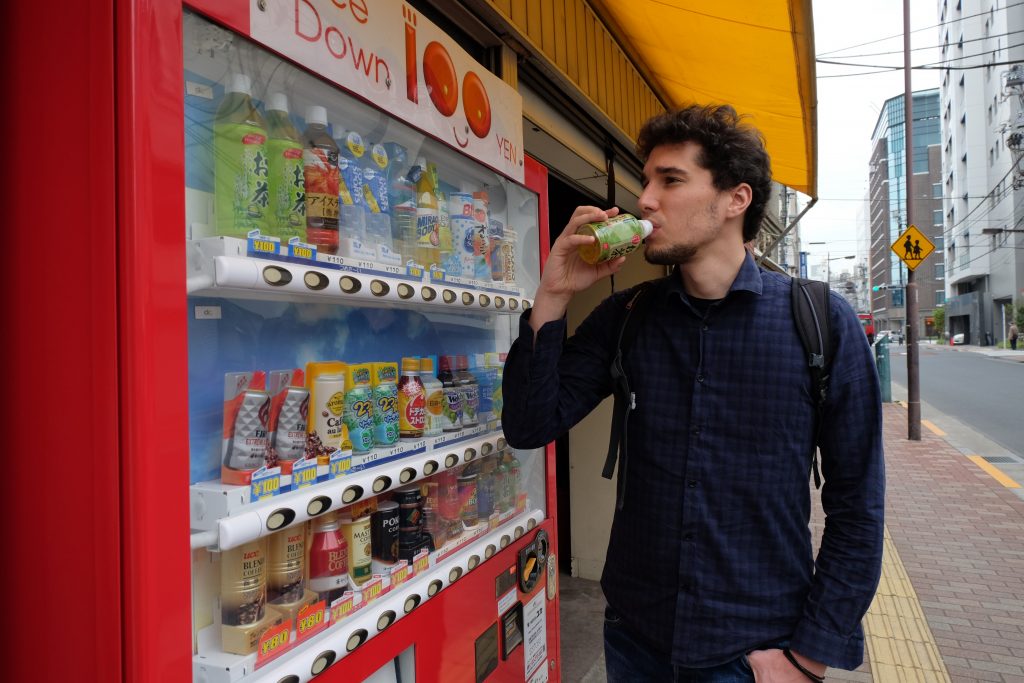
913 385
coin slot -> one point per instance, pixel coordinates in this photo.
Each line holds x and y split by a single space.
474 560
411 603
455 574
385 620
318 505
315 281
485 300
379 287
405 291
322 661
381 484
499 302
429 467
356 639
449 296
352 494
513 304
280 518
407 475
349 284
467 298
434 587
428 293
451 460
276 276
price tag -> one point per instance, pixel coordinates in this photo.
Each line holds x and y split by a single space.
273 642
400 573
341 463
421 562
311 619
266 482
372 588
414 270
260 245
437 274
300 250
304 473
342 607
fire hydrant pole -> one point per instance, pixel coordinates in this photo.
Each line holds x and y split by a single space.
910 294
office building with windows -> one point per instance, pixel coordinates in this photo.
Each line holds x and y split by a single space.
887 212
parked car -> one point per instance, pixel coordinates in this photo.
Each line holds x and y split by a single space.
958 338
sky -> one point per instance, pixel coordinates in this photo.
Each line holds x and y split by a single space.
848 106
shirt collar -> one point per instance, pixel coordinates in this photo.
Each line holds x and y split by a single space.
748 279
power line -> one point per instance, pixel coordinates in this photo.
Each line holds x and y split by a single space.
918 30
888 69
931 47
940 63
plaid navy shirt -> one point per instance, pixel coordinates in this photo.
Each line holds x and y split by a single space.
711 555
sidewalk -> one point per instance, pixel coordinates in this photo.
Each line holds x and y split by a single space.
950 606
1005 354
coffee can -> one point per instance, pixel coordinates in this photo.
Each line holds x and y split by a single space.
467 500
384 532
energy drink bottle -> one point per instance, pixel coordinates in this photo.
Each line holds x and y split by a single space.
411 400
241 191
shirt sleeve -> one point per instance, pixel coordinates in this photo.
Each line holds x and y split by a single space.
849 561
548 385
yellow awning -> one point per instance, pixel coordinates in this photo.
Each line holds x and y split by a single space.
757 55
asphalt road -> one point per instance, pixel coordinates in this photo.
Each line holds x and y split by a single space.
984 392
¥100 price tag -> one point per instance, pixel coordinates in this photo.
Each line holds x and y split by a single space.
304 473
266 482
341 463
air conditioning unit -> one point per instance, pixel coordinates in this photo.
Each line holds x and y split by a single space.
1015 77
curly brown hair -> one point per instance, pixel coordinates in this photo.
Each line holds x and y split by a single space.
733 151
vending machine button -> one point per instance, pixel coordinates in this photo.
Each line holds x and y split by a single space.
474 560
385 620
349 284
451 460
408 474
485 301
411 603
449 296
351 494
469 454
499 302
467 298
280 518
322 661
381 484
379 287
314 280
356 639
276 276
429 467
513 304
405 291
454 574
318 505
428 293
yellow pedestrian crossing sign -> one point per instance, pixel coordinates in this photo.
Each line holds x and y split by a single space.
912 247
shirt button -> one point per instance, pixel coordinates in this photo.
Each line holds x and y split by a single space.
692 484
700 378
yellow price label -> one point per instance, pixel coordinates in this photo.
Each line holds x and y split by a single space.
264 246
305 476
311 621
302 252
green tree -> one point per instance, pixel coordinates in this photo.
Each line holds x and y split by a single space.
1018 316
939 318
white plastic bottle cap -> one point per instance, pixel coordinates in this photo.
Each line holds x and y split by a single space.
647 226
316 114
240 83
277 101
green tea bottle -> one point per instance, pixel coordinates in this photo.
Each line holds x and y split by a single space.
241 192
287 214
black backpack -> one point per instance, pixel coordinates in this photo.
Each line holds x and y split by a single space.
812 315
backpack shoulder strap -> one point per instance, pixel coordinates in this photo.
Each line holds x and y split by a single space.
632 316
812 315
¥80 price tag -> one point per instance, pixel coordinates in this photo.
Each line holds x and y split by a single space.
311 619
265 483
273 642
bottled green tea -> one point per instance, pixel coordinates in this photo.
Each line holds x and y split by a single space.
287 214
241 191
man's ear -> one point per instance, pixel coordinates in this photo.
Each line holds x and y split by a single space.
739 199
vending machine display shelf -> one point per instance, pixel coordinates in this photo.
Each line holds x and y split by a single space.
308 659
224 266
222 516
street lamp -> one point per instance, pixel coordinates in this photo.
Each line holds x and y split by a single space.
999 231
828 261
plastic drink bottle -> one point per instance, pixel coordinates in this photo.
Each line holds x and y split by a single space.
286 172
436 401
427 217
359 407
385 403
452 393
241 193
411 400
351 203
470 394
320 157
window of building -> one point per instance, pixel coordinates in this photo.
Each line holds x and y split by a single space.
937 191
940 297
940 271
897 297
938 242
937 217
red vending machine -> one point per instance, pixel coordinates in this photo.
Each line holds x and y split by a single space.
314 229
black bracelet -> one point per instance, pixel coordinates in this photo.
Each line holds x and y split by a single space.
801 668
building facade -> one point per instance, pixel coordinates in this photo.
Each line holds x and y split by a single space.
982 89
887 203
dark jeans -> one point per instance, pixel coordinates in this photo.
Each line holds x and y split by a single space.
628 659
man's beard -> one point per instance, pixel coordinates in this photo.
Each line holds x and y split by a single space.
670 256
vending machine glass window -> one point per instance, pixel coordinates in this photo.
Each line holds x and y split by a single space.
353 287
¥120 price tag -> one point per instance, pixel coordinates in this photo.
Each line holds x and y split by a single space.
266 482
